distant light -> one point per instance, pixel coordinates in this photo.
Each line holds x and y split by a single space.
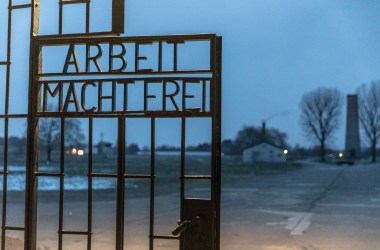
340 155
74 151
286 151
80 152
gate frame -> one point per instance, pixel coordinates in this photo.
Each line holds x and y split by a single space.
32 133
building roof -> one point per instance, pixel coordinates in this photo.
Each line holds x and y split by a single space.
268 143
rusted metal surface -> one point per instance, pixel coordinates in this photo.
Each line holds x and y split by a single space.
41 89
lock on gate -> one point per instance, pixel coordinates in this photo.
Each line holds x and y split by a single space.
196 228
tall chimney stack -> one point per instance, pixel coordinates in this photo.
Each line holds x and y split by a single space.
263 132
352 150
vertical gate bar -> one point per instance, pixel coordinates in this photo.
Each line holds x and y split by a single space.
120 185
204 96
89 201
60 17
217 137
175 66
152 180
5 180
5 170
118 16
213 132
87 16
160 56
182 178
61 183
9 54
35 65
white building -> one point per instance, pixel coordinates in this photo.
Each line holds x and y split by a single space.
264 152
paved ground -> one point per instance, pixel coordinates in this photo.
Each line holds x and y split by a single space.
317 207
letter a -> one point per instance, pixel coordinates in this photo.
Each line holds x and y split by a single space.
71 54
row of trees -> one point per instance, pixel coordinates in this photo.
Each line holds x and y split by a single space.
321 110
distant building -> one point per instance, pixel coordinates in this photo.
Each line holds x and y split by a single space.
104 149
16 145
264 152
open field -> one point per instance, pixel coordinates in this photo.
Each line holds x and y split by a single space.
136 197
289 207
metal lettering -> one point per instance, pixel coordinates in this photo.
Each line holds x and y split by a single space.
120 56
185 95
71 53
125 83
93 58
71 92
146 95
170 96
173 92
53 93
139 58
175 53
83 97
102 97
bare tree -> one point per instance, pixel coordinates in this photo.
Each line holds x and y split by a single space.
369 113
320 112
49 133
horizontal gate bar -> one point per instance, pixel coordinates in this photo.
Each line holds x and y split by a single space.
49 174
162 72
78 35
59 40
102 175
72 2
141 78
163 237
137 176
74 232
197 177
21 6
14 116
126 114
96 175
9 228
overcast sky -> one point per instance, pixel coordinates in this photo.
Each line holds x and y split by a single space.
273 51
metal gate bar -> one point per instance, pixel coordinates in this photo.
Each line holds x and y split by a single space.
6 116
61 183
217 136
5 170
89 201
152 181
120 185
182 177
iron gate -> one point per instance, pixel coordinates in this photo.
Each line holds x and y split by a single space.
199 222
